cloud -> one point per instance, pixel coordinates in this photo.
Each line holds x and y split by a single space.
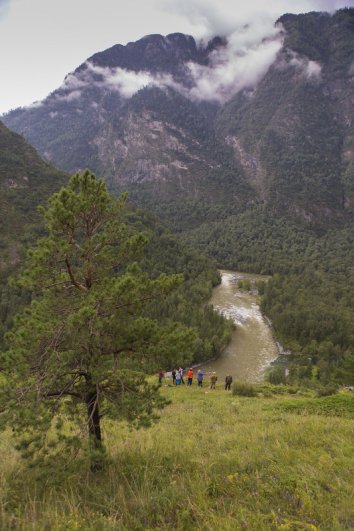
127 82
331 5
249 53
226 78
4 7
208 17
310 69
35 57
313 70
74 95
240 64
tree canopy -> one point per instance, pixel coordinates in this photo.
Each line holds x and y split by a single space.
85 345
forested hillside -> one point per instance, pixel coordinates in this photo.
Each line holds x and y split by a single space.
297 126
261 179
25 181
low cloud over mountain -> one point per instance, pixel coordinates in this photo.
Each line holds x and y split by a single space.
239 62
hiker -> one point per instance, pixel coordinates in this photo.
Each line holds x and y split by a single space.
174 377
190 376
161 375
181 372
228 382
177 378
213 380
200 377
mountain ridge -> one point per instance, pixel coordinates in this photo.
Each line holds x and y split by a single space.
132 114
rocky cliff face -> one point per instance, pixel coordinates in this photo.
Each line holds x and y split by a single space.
145 116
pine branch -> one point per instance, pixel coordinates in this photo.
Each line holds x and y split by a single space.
72 278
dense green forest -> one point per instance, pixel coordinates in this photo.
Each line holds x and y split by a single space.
25 181
310 296
164 253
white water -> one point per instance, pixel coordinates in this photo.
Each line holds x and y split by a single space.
252 347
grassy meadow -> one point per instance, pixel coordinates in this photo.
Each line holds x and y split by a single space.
215 461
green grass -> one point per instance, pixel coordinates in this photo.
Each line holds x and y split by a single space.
337 405
214 462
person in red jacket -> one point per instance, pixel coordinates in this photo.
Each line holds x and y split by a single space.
190 376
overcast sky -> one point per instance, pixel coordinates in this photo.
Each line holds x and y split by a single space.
43 40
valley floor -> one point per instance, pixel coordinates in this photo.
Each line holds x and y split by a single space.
215 461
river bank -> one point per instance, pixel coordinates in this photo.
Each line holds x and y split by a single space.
253 346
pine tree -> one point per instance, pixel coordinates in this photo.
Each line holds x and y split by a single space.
84 346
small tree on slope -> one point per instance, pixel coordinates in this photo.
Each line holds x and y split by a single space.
83 347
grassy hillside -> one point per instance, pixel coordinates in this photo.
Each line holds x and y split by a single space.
215 461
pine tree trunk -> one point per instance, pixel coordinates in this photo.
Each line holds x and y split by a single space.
94 428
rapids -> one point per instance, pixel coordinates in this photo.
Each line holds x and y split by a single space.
252 346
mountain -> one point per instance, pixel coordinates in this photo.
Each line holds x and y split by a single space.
295 133
156 140
25 182
151 118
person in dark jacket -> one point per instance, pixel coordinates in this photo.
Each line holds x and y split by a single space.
161 375
200 378
228 382
174 377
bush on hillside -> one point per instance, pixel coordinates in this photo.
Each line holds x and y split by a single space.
244 389
276 375
328 390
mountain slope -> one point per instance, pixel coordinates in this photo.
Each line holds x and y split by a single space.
279 461
157 139
298 125
25 181
140 115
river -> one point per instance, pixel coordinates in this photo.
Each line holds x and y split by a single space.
252 346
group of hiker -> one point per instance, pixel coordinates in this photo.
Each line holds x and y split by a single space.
178 378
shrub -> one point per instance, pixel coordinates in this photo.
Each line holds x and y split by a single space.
244 389
276 375
327 390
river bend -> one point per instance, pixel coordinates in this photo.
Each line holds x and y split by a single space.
252 346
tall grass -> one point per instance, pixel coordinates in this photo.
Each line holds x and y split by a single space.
214 462
244 389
